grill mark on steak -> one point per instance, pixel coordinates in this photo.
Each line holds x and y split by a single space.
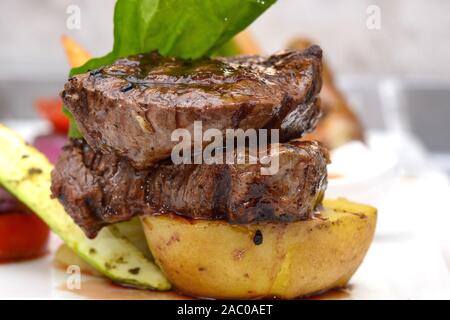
241 114
163 94
100 189
281 112
221 193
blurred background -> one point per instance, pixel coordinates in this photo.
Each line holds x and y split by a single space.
386 96
390 58
411 40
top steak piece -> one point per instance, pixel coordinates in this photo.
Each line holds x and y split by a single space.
97 190
131 107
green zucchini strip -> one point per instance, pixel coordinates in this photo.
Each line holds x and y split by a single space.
25 172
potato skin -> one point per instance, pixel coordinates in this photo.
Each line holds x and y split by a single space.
218 260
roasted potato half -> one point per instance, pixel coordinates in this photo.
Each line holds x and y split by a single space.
285 260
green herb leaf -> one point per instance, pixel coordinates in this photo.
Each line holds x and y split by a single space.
186 29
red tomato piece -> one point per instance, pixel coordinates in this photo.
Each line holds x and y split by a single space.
22 236
51 109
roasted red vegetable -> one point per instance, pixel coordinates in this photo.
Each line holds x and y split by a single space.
22 234
51 109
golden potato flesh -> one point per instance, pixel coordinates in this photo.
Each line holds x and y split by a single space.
216 259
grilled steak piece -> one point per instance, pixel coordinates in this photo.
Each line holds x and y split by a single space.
97 189
131 107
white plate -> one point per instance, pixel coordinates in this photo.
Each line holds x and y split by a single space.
409 258
404 267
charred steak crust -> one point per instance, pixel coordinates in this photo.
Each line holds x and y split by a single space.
97 190
131 107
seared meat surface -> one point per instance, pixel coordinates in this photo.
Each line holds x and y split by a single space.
131 107
99 189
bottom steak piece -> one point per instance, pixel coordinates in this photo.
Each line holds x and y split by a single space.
100 189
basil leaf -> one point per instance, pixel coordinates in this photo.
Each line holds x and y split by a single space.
187 29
